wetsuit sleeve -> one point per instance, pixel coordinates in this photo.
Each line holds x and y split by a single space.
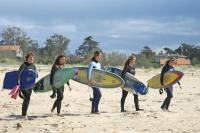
36 71
19 73
89 72
53 70
129 69
124 71
102 67
68 83
132 70
162 76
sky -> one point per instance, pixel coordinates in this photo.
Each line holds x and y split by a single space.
118 25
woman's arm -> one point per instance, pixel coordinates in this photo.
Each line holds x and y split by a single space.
89 72
35 69
19 72
162 77
53 71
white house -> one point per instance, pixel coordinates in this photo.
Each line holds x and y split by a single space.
11 50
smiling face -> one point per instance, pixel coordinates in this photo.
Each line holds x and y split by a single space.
31 59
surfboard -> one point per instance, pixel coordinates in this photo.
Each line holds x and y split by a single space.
10 80
27 79
170 78
60 78
99 78
132 84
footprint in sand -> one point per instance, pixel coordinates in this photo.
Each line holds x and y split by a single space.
67 105
19 125
197 109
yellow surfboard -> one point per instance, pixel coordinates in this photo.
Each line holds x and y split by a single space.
170 78
99 78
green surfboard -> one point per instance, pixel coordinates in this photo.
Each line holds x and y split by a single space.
60 78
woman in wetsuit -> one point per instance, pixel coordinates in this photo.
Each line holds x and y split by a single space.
58 65
169 66
129 67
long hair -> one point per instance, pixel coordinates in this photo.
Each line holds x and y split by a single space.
170 60
57 61
129 59
96 53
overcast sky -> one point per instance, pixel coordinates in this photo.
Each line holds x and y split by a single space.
119 25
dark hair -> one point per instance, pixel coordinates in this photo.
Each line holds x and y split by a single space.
57 61
28 55
96 53
170 60
129 59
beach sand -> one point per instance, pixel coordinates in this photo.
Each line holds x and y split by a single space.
183 118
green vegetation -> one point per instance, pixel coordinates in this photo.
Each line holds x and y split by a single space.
58 44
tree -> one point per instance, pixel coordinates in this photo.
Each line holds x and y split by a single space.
188 50
13 35
88 47
114 59
55 45
169 51
148 52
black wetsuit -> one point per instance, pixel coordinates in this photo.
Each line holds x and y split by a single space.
131 70
59 91
25 93
168 89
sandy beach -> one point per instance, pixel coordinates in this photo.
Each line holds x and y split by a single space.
183 118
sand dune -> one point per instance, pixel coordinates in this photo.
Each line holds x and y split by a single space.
183 118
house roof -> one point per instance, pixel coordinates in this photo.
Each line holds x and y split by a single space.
180 61
171 55
9 47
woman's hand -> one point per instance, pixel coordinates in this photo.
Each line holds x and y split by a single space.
161 91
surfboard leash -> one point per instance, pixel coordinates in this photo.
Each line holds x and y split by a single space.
91 99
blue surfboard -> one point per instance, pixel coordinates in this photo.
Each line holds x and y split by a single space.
10 80
27 79
131 83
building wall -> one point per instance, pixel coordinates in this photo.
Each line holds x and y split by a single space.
180 61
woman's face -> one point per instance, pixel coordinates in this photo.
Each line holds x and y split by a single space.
31 59
99 57
133 61
173 63
62 60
